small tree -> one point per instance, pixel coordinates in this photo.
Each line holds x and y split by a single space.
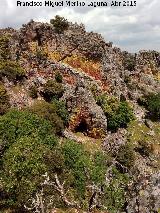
126 155
60 24
129 61
61 110
76 161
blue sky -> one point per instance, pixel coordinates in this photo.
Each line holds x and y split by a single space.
130 28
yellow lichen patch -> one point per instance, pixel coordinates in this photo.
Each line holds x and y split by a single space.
83 64
53 55
97 133
33 46
69 79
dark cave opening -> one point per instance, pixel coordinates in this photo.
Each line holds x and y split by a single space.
82 127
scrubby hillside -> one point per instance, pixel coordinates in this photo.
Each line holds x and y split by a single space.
79 123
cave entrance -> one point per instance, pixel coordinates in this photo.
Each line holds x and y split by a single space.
82 127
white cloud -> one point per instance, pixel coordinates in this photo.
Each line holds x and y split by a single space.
131 29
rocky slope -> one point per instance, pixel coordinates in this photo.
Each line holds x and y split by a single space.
90 66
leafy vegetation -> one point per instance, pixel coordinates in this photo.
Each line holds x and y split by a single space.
16 124
60 24
4 51
118 114
24 140
12 70
152 104
58 77
31 153
76 160
61 110
54 112
41 54
23 167
126 155
4 100
52 90
115 192
129 62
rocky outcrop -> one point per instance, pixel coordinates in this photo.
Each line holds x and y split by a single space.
89 66
86 115
145 194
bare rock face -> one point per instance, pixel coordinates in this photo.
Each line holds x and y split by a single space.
145 195
86 115
113 141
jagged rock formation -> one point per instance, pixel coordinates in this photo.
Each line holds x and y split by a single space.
90 66
82 55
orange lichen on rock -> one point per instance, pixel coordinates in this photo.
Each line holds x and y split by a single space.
88 66
77 117
69 79
81 121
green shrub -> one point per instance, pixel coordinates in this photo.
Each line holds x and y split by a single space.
4 100
126 156
23 167
122 116
76 161
98 168
114 193
4 52
60 24
33 92
58 77
41 55
16 124
61 110
129 62
109 104
52 90
152 104
25 140
11 70
48 111
118 114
